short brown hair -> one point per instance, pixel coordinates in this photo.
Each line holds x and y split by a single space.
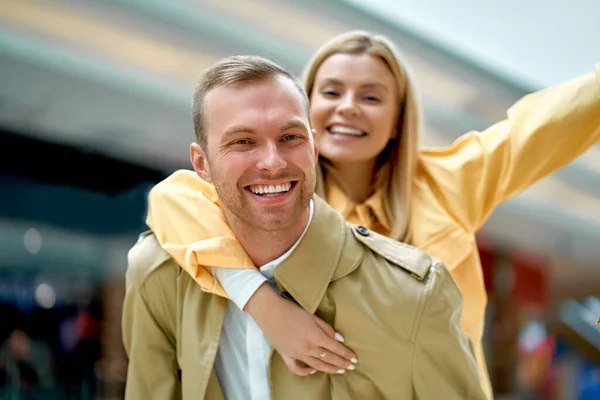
229 72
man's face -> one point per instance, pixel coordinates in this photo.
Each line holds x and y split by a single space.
260 153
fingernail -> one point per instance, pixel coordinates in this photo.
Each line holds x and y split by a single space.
339 337
351 367
354 360
341 371
312 372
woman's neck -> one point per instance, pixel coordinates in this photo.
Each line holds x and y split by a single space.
354 179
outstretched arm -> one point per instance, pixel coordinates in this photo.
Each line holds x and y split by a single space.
543 132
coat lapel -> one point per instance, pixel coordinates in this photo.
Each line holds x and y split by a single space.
325 253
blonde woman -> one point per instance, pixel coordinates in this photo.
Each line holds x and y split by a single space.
366 116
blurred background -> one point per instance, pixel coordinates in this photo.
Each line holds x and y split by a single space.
95 108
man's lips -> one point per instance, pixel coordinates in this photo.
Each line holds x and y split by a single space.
271 189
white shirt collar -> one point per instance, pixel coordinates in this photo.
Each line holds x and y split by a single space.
269 268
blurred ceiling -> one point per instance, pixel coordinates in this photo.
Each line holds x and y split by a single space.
538 43
116 76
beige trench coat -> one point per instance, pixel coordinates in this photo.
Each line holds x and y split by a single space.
397 308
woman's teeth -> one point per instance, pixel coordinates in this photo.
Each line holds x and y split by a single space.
342 130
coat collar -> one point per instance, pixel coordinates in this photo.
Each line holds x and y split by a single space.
327 252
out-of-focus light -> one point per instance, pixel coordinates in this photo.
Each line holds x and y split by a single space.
32 241
45 296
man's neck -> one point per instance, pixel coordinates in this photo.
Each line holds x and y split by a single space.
265 246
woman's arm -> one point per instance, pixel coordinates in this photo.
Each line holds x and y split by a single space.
294 333
543 132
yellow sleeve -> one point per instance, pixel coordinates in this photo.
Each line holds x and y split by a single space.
185 216
543 132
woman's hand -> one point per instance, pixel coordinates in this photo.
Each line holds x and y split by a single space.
298 335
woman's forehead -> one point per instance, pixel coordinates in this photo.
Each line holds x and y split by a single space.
361 69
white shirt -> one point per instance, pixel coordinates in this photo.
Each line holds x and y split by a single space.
242 360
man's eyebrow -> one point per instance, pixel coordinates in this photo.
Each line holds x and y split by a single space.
237 129
293 124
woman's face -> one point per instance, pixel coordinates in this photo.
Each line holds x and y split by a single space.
353 107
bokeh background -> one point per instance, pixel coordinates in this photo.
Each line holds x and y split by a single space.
95 108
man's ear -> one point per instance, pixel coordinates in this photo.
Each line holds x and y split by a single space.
199 162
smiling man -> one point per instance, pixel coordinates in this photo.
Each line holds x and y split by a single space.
254 143
399 309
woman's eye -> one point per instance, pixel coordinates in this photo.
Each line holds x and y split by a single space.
372 99
329 93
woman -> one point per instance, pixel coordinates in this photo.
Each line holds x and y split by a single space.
366 115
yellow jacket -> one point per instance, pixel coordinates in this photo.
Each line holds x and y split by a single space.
455 190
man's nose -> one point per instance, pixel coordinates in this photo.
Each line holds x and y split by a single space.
271 159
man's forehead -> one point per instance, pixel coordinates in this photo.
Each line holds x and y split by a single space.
265 100
275 86
282 125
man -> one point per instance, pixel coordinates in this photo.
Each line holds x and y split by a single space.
398 308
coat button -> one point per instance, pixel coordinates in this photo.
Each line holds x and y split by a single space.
362 230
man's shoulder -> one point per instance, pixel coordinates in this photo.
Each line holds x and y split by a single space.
145 258
413 260
426 276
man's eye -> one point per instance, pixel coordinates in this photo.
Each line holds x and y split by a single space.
289 137
241 141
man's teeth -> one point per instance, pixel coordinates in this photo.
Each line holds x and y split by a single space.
270 189
342 130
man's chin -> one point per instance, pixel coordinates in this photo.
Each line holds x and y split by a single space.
273 218
272 225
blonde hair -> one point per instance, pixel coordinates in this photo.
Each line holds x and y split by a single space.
397 162
231 71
